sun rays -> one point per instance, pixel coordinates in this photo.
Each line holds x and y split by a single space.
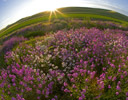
55 14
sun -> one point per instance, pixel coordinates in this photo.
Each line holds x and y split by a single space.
52 6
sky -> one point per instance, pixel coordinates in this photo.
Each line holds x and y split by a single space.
13 10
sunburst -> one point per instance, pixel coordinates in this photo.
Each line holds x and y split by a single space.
55 12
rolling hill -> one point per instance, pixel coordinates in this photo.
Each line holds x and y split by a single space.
68 12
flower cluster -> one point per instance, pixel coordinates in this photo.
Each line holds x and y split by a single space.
56 24
23 82
79 64
8 45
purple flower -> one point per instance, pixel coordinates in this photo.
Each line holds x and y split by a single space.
109 86
38 91
13 98
117 93
14 84
118 87
92 74
13 80
66 90
114 78
119 70
119 83
80 98
65 84
9 86
38 97
38 79
72 80
55 96
29 89
84 91
126 93
112 65
40 85
74 86
101 85
42 91
86 80
122 76
75 75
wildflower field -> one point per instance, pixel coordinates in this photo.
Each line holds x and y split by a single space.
84 61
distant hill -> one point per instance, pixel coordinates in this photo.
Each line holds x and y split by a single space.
72 12
97 11
81 10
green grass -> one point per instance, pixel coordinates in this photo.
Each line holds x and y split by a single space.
7 97
33 21
96 11
70 12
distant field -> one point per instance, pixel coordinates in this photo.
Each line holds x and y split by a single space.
70 12
97 11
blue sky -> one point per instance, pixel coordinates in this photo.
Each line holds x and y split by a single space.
13 10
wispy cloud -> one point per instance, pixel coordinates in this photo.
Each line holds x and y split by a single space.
104 4
6 22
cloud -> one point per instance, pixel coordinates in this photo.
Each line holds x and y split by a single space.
104 4
5 22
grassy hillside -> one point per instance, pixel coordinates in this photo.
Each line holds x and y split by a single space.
96 11
69 12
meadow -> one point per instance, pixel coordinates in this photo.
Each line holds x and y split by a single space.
62 13
76 57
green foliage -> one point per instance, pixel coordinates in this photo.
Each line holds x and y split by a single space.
2 60
33 34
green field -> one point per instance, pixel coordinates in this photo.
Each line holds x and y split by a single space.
70 12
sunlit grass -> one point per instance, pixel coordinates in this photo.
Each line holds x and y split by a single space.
54 13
